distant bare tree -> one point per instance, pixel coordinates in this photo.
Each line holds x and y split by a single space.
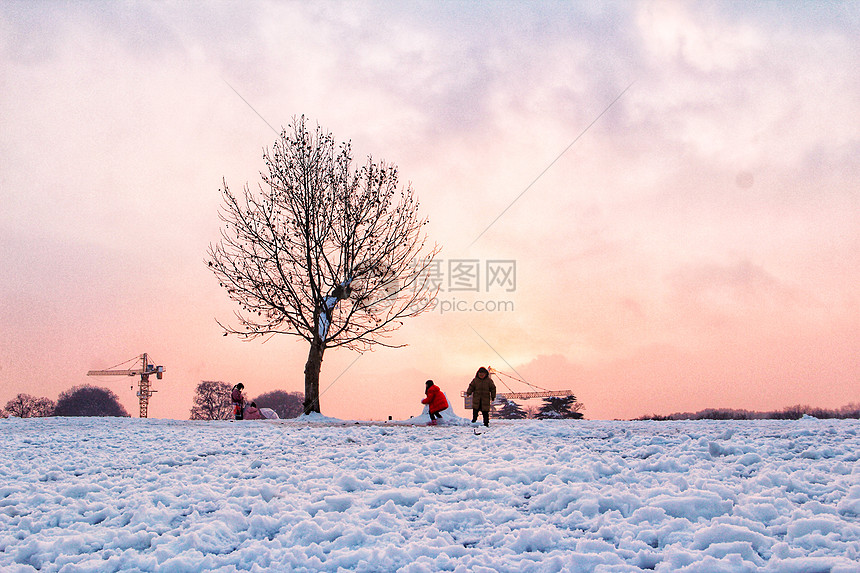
851 410
323 250
532 411
285 404
212 401
26 406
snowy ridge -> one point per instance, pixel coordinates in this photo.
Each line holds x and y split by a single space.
102 494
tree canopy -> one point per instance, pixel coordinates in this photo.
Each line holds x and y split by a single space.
87 400
564 407
510 410
26 406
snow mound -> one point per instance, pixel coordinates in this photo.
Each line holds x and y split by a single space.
449 418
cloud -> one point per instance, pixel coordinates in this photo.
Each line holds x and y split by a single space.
739 287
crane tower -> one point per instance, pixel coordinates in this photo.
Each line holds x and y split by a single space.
145 370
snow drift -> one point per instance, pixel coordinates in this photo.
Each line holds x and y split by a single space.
99 494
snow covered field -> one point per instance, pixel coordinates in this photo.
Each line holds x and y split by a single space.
107 494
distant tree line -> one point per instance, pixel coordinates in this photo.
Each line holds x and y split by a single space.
212 402
788 413
83 400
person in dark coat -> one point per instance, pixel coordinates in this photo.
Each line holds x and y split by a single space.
238 400
435 400
482 389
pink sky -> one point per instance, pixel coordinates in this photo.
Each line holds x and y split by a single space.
697 247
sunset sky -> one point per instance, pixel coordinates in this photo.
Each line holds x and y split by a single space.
694 244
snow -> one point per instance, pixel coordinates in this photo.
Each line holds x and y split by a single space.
318 494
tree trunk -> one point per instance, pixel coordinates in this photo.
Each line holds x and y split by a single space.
312 376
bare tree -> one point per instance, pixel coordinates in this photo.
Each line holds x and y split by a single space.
212 401
532 411
26 406
323 250
285 404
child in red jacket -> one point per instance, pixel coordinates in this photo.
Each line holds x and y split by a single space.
435 401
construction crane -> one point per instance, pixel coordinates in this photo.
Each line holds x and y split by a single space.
145 370
511 395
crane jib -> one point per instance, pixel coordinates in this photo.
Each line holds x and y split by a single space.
144 371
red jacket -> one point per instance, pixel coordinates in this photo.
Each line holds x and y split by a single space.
435 399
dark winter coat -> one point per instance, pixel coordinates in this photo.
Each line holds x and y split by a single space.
483 392
435 399
236 396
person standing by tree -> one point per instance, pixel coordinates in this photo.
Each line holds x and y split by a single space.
482 389
435 400
238 400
